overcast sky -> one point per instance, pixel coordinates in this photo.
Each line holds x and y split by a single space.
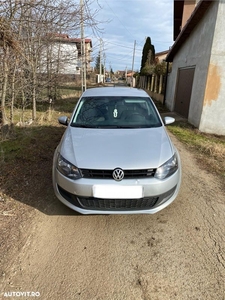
130 21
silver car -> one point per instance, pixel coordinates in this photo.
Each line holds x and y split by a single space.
115 156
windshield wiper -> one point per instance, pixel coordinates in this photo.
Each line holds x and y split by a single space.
109 126
84 126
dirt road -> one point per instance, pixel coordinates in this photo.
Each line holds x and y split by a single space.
178 253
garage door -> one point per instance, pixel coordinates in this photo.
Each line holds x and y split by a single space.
183 92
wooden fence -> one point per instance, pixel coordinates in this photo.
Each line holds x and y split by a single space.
154 85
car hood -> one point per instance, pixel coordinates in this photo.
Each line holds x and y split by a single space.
139 148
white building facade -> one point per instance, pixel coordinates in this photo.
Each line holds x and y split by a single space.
62 54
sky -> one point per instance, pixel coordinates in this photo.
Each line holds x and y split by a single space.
125 25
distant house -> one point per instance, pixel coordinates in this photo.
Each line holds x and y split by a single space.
196 85
161 56
65 54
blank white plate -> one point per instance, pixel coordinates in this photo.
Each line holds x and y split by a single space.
117 192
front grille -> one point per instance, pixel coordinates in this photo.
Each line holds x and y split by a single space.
117 204
92 203
87 173
107 174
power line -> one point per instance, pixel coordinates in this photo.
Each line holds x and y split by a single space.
122 23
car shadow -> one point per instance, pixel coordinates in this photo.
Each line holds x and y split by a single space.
26 170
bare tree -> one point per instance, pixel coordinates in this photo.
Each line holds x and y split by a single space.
9 46
27 35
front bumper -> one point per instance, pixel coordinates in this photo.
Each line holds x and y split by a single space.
79 194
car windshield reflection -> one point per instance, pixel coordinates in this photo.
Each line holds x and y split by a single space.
115 112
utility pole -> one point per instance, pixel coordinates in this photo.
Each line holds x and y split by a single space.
133 64
100 61
83 52
104 67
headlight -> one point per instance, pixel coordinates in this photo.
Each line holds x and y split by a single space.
67 169
168 168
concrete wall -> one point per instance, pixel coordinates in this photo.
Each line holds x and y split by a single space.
195 52
213 113
155 96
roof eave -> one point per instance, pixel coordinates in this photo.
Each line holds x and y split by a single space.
196 16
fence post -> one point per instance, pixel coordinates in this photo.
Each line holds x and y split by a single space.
160 84
156 84
152 82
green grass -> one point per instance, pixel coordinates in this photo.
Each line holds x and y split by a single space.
209 149
29 145
27 142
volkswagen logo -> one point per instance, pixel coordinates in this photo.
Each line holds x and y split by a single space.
118 174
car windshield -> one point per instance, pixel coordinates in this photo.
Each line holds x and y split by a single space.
115 112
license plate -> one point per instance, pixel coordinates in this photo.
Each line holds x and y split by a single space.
117 192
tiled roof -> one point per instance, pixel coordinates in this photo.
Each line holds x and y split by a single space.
66 38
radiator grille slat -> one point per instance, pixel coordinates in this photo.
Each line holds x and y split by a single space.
107 174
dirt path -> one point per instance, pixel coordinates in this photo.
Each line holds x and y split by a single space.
178 253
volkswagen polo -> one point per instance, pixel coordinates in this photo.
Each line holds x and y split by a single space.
115 156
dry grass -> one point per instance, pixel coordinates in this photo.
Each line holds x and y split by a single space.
209 149
213 149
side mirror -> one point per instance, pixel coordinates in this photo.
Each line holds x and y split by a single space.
168 120
63 120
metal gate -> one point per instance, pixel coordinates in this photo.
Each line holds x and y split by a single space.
183 91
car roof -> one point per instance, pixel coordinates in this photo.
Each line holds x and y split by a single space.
115 91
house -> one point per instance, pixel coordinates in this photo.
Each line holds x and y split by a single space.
66 54
196 85
121 74
161 56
